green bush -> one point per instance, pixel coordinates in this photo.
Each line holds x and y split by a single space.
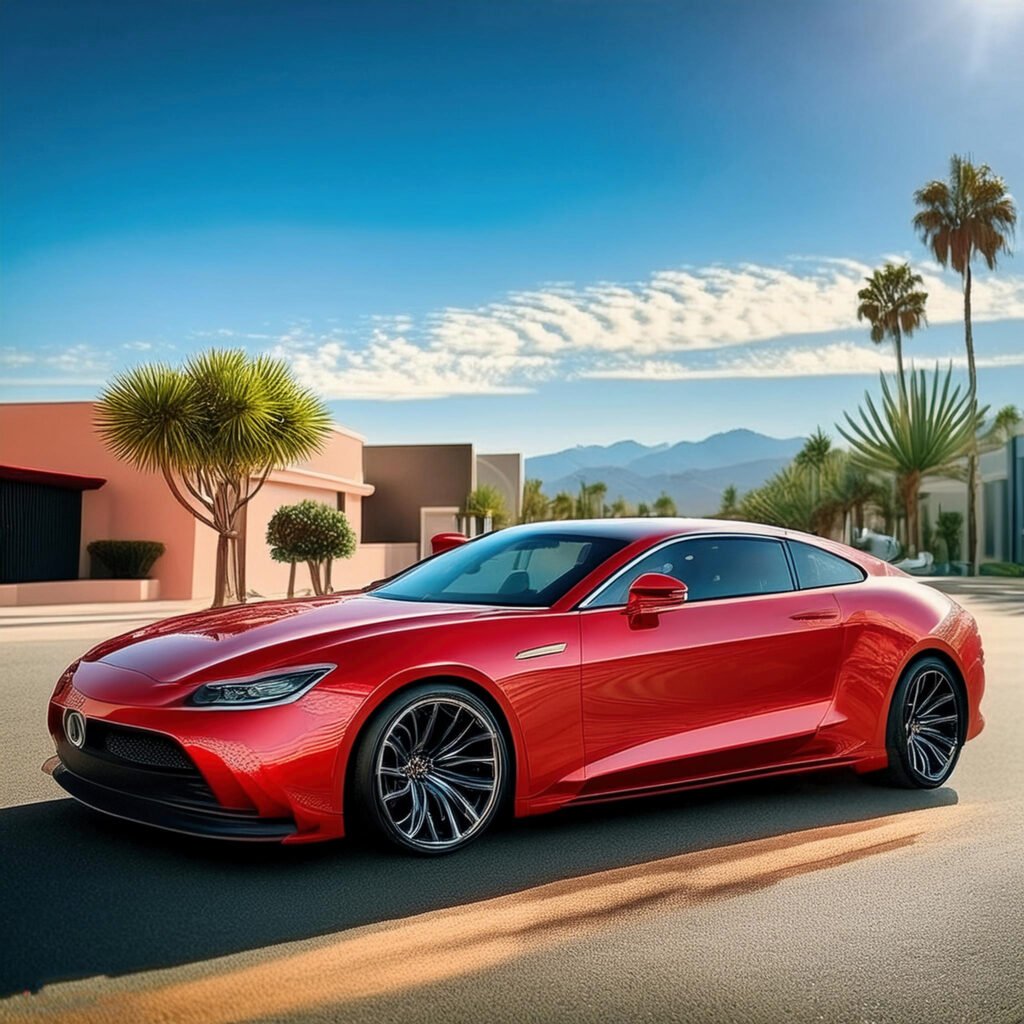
1001 569
948 528
126 559
312 533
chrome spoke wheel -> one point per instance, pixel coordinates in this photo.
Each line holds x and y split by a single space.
438 771
931 724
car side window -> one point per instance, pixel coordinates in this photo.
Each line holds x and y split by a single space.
711 567
818 568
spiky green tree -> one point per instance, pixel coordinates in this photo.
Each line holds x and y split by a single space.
536 505
729 506
664 505
925 433
893 303
487 502
590 500
968 215
563 506
215 428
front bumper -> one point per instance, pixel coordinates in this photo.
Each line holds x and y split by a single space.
221 823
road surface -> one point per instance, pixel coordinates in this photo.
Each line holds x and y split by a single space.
810 899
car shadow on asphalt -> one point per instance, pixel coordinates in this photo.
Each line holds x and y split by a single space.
87 895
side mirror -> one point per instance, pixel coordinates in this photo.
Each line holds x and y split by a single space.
446 541
653 593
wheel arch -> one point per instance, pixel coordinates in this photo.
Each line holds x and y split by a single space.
950 661
499 706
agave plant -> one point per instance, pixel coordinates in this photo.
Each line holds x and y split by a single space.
215 428
924 433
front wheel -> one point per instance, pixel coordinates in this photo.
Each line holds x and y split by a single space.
432 771
926 726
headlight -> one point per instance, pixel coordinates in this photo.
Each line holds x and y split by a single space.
279 688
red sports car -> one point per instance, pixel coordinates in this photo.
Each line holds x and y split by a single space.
539 666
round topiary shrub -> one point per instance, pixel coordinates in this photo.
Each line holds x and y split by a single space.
312 533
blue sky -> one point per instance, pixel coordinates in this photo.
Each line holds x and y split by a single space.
527 225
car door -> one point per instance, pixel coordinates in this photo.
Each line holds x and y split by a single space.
737 678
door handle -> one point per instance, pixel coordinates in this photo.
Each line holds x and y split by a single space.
816 615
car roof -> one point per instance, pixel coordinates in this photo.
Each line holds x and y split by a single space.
648 528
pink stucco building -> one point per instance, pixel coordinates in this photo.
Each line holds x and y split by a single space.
51 447
60 488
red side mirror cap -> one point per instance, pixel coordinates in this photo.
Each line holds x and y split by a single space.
446 541
653 593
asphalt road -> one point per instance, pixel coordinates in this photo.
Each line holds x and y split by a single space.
813 899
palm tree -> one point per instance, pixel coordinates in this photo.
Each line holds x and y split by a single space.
487 502
801 496
619 508
664 505
536 506
563 506
215 428
970 214
590 500
728 508
926 433
894 306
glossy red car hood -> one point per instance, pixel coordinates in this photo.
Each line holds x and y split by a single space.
251 638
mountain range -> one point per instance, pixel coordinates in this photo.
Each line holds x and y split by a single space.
694 473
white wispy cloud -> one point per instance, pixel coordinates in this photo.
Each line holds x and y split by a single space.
841 358
394 368
620 331
688 323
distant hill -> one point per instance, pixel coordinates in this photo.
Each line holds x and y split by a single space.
694 473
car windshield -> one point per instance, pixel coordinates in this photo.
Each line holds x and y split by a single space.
515 568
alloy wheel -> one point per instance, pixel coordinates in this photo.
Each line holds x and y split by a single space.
438 772
931 724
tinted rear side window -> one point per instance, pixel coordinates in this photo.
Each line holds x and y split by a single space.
711 567
818 568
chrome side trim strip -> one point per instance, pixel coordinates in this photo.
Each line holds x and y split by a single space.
540 652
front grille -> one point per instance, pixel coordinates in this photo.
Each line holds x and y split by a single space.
138 762
140 747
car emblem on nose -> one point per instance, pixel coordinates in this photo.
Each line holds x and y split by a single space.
74 728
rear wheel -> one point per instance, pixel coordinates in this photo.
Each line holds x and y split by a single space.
926 726
432 769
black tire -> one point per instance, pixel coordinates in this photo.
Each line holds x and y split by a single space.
405 786
926 726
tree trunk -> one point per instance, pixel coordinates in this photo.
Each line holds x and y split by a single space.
220 578
910 486
291 579
328 565
240 525
897 340
972 457
314 576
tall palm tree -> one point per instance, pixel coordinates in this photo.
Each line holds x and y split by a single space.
924 434
894 305
215 428
970 214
